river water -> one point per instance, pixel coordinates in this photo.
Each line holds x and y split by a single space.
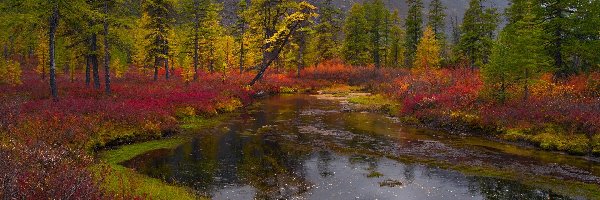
302 147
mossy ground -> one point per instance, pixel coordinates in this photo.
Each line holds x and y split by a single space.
125 182
376 103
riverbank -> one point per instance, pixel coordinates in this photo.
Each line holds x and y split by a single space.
562 116
267 144
84 121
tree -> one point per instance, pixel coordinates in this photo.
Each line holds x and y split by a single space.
477 33
518 57
356 46
276 39
377 28
327 32
241 26
414 28
428 51
396 47
436 20
160 13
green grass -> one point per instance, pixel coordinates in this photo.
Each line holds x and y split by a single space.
376 102
125 182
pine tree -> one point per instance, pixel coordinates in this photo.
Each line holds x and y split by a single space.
518 57
160 13
428 51
436 20
376 15
477 33
327 32
396 41
356 43
414 29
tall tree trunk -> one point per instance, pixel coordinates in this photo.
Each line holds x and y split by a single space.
242 50
87 70
196 52
156 64
95 70
166 59
106 51
526 89
52 34
300 56
196 33
211 60
43 67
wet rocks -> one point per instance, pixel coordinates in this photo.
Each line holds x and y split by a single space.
390 183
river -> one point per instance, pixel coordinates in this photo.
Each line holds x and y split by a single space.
303 147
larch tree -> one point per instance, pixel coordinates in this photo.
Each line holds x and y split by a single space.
427 56
241 27
278 21
477 33
436 19
376 15
327 32
396 41
518 57
356 45
160 13
414 29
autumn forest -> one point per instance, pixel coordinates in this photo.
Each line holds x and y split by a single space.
299 99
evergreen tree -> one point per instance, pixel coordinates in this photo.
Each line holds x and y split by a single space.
327 32
477 33
518 57
377 16
356 43
428 51
414 28
436 19
396 39
160 13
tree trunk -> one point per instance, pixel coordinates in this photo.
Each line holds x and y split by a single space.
166 60
87 70
95 70
53 26
242 50
196 32
106 52
526 89
156 63
211 60
300 56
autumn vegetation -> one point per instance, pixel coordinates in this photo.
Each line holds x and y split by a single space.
77 77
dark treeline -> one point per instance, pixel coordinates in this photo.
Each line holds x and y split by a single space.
182 37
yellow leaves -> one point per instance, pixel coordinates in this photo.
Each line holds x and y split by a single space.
119 68
10 72
428 52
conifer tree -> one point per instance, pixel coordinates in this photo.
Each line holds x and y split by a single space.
356 43
160 13
477 33
518 57
414 29
327 32
428 51
436 19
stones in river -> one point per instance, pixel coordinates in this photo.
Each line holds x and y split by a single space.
390 183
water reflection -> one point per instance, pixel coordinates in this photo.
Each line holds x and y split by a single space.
288 149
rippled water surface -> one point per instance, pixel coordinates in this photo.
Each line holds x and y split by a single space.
300 147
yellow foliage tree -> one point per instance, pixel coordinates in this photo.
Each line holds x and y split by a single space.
10 72
428 52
